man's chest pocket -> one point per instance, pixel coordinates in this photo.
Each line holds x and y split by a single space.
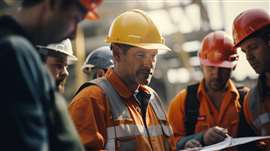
202 123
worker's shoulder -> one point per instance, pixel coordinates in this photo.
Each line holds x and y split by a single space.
18 46
90 90
181 95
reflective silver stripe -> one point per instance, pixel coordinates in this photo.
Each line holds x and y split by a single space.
159 130
129 130
119 109
155 130
156 104
167 130
124 130
261 120
110 145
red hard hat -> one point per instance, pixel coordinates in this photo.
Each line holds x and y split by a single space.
217 50
91 6
249 22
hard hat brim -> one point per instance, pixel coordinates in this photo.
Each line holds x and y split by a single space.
157 46
70 56
153 46
223 64
87 66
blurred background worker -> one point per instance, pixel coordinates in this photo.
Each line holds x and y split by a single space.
57 57
251 32
34 116
119 111
204 113
98 62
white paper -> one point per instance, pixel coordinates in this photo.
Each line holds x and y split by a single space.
229 142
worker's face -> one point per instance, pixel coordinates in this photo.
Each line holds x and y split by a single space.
257 51
216 78
100 73
94 73
58 68
61 22
137 65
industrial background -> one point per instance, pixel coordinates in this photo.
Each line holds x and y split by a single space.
183 23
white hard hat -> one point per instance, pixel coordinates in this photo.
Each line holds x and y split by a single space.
64 47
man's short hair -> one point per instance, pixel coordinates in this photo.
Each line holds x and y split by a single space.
124 47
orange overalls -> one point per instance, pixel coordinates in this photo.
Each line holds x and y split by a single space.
101 127
227 117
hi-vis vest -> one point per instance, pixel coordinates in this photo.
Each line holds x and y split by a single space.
261 117
120 112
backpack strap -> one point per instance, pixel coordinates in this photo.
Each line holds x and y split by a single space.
86 84
191 109
89 83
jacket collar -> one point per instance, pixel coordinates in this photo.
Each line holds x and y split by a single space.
231 88
120 87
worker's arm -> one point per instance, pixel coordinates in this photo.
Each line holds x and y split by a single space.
88 111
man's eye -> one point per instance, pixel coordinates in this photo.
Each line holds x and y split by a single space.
140 55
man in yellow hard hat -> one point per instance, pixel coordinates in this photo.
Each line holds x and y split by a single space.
119 111
57 57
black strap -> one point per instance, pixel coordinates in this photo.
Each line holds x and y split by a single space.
86 84
191 109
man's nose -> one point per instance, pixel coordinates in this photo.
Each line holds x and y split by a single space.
64 72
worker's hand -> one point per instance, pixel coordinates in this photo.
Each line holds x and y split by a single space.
214 135
193 143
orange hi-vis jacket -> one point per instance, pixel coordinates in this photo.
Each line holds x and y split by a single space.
112 119
257 110
209 116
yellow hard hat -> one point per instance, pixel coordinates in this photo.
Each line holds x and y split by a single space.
137 29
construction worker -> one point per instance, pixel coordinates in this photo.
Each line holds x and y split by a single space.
206 113
119 111
33 115
251 33
57 57
98 62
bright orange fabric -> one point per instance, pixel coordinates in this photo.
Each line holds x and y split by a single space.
91 114
209 116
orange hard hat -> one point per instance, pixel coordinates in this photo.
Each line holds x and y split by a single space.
217 50
249 22
91 6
